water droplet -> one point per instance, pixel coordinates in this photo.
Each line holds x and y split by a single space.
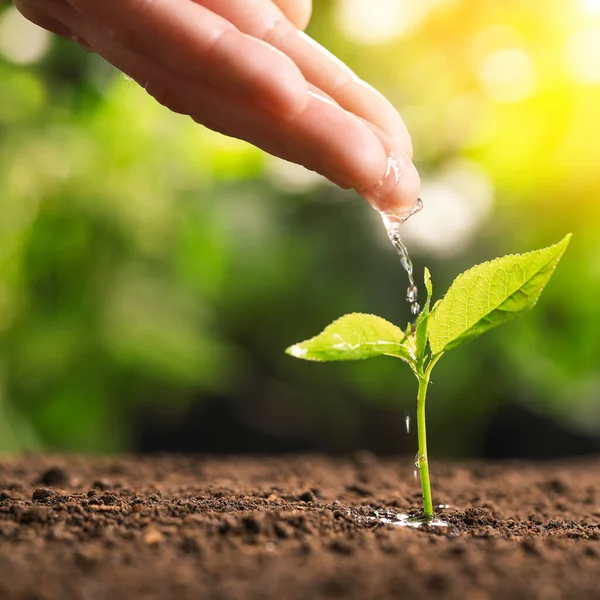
412 293
416 474
418 207
417 464
415 309
407 422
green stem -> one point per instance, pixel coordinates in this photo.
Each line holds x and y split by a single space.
423 378
422 436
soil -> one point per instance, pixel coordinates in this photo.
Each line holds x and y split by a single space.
303 527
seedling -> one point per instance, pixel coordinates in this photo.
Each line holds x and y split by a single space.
481 298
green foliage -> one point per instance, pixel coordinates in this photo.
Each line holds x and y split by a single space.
481 298
355 337
490 294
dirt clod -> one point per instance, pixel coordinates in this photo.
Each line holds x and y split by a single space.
54 476
42 494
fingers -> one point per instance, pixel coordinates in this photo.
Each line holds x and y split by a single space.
188 39
296 11
204 66
264 20
324 137
323 69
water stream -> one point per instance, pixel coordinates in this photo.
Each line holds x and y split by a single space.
393 226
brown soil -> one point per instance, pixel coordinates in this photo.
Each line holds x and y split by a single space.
304 527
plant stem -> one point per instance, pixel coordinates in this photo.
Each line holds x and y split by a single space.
422 437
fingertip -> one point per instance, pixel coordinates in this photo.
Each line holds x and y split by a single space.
396 195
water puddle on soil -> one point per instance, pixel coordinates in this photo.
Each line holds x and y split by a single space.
404 520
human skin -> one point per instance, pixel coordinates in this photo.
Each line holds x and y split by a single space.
246 69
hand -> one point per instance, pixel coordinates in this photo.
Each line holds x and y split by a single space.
246 69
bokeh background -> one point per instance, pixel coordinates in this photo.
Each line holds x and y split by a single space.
152 272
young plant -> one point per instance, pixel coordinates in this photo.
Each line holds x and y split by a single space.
479 299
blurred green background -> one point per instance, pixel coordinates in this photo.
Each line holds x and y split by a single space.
152 272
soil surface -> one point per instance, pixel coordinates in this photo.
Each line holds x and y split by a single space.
304 527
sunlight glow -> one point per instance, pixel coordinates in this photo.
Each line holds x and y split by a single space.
582 56
507 75
592 6
21 41
378 21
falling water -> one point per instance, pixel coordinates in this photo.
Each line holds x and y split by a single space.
393 231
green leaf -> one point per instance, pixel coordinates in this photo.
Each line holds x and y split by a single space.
422 324
354 337
490 294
